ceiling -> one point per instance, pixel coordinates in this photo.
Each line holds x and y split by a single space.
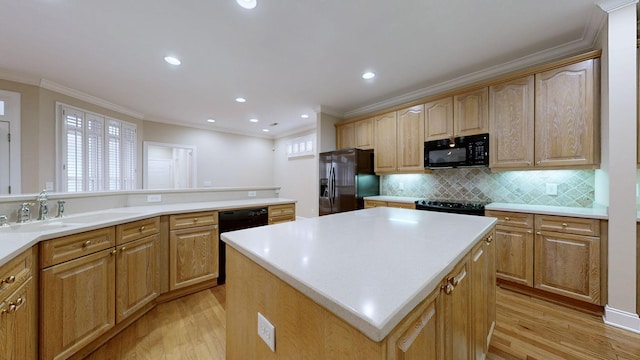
287 58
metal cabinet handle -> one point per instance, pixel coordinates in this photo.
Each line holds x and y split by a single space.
564 225
195 220
113 252
448 289
9 280
86 243
489 239
538 233
506 218
142 228
123 248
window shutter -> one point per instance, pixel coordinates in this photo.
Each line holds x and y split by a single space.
95 153
114 140
128 156
73 129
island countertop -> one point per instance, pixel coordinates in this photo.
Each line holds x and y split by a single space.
369 267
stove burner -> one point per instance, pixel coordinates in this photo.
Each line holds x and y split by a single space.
451 207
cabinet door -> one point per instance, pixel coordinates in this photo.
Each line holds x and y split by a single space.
483 294
514 254
511 116
565 115
568 265
193 256
18 315
137 275
457 314
471 113
77 302
418 337
490 285
386 141
374 203
364 134
438 119
410 147
345 136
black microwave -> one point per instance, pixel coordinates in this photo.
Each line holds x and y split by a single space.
460 151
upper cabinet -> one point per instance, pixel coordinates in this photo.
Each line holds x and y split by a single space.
471 113
511 118
546 120
357 134
399 141
460 115
565 114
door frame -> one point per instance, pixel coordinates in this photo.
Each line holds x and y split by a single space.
12 115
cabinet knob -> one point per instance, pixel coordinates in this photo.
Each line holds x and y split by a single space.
19 301
538 233
123 248
195 220
564 225
538 162
489 239
142 228
448 289
113 252
529 232
453 281
86 243
506 218
9 280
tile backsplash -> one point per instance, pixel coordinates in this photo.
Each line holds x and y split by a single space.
574 187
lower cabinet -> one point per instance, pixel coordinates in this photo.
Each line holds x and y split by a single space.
377 203
557 254
282 213
18 310
456 314
193 249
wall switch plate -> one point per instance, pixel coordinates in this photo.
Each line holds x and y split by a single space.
400 186
552 189
154 198
267 332
252 193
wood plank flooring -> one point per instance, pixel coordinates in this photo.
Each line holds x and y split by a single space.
193 327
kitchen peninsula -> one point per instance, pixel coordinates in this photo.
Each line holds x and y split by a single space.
379 283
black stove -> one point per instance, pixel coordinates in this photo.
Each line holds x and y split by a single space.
451 207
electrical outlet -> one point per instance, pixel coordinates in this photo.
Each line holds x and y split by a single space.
154 198
552 189
267 332
401 186
252 194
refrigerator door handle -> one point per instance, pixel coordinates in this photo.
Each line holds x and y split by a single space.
330 187
333 186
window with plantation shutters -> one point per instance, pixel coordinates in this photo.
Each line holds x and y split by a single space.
95 152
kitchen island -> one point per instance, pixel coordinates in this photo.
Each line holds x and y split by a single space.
369 284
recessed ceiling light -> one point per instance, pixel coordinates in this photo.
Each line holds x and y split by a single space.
253 120
265 130
211 120
241 99
172 60
368 75
247 4
304 116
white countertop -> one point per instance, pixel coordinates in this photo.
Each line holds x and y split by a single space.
14 241
400 199
596 212
369 267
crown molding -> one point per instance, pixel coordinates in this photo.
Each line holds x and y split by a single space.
329 111
18 77
53 86
610 6
296 131
586 42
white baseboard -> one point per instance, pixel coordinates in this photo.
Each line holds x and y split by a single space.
621 319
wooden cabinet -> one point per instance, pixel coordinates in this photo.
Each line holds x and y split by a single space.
193 249
137 266
511 123
282 213
18 308
566 113
565 257
566 261
471 112
399 141
456 312
358 134
514 246
438 119
483 295
77 302
396 204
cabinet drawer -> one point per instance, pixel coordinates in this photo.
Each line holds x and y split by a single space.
137 230
15 273
183 221
15 301
401 205
374 203
62 249
568 225
282 210
515 219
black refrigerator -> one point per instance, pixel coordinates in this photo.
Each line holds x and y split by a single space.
346 177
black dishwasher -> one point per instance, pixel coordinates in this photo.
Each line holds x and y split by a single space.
237 220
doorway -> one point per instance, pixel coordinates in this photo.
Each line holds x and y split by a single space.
169 166
9 143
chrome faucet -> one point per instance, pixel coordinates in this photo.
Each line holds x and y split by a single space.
4 222
43 205
24 214
60 208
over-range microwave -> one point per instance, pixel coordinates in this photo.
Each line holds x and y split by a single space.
460 151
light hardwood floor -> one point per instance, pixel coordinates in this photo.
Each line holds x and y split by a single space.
193 327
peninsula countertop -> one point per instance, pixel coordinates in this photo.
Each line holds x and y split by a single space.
19 237
369 267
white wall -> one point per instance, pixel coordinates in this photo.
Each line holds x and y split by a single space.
223 159
297 176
